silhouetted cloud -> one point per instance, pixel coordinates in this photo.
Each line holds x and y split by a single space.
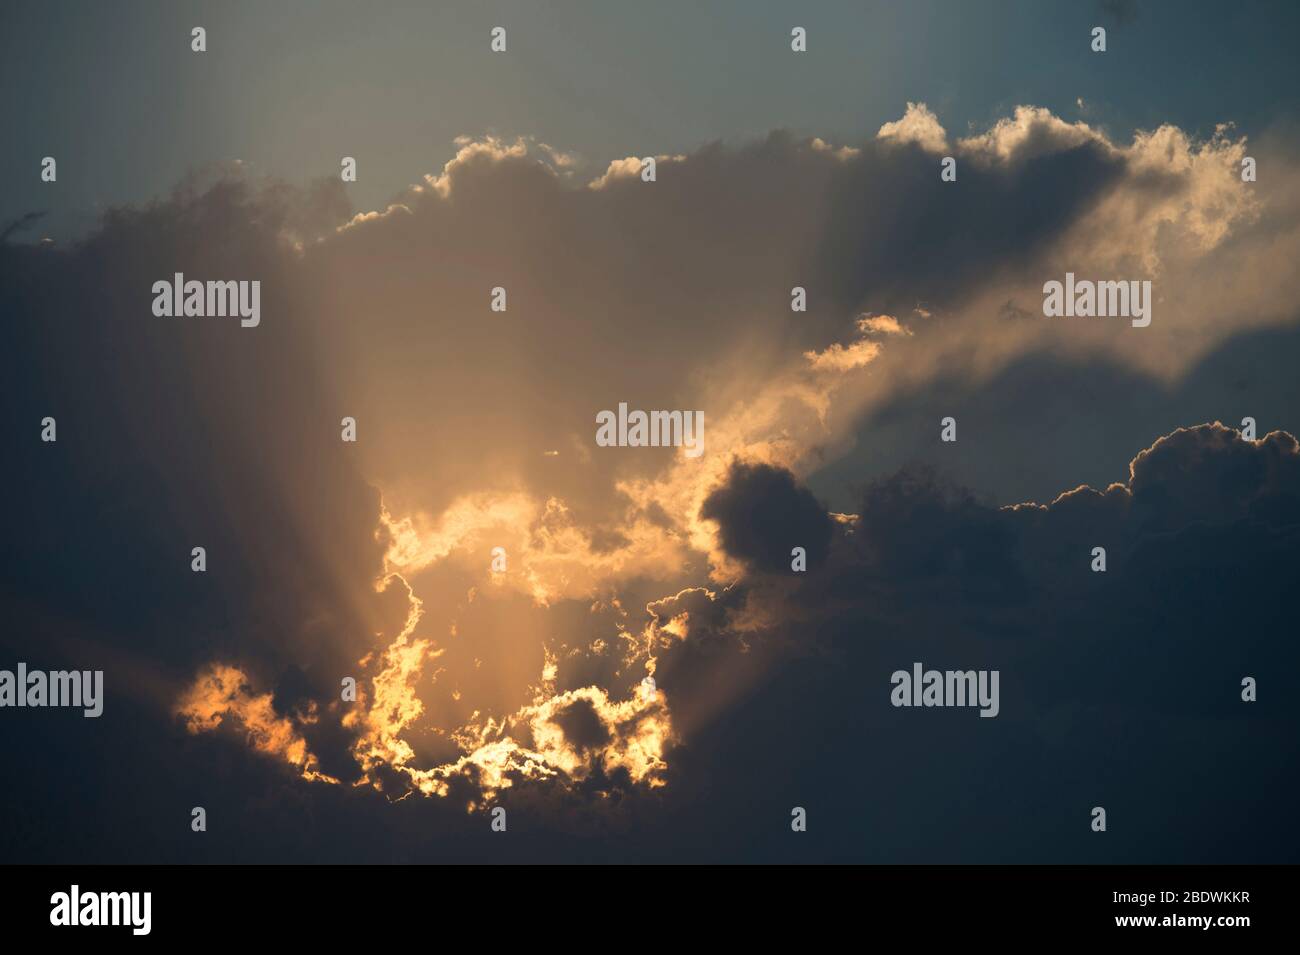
762 514
526 687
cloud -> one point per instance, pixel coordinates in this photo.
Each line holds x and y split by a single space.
885 324
629 168
762 514
1116 685
919 126
221 694
1031 133
373 560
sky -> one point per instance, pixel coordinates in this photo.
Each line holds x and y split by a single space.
431 598
287 87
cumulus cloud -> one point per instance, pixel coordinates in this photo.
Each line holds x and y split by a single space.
374 560
1122 682
762 514
920 126
627 169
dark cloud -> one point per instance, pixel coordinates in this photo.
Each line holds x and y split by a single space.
1119 689
762 514
582 725
988 222
174 433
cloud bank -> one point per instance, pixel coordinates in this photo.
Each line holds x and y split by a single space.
525 686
